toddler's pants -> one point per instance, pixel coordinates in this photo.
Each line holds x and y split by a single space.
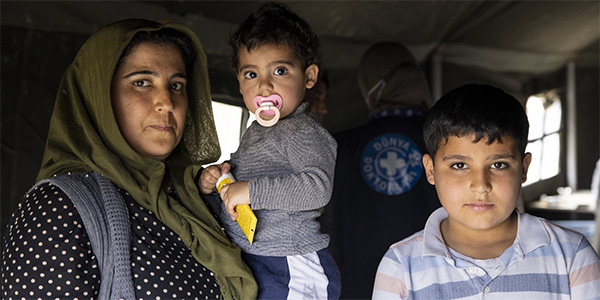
308 276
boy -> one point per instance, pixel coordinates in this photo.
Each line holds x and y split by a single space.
477 245
285 163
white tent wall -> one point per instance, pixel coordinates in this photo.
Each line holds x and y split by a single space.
520 46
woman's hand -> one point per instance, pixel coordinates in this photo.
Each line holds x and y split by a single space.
210 175
233 195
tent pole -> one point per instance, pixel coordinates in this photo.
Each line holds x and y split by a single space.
436 74
571 127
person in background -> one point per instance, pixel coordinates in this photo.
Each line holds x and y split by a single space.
317 96
380 193
117 213
478 245
285 162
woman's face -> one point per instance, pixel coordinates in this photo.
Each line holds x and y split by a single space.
149 98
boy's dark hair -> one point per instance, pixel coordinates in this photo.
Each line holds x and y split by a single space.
483 110
165 36
275 24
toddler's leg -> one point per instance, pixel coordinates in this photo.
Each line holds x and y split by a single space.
332 272
308 276
271 274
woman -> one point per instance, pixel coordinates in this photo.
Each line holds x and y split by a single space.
116 213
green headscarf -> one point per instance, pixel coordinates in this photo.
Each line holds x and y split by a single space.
84 136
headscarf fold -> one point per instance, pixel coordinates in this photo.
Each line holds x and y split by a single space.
84 136
405 85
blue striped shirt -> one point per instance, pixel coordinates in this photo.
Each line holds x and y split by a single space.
546 261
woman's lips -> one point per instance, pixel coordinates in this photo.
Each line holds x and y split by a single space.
162 127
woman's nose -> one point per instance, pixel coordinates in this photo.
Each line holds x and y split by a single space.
163 101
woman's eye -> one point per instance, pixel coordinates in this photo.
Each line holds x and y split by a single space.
250 75
178 86
459 166
499 165
280 71
141 83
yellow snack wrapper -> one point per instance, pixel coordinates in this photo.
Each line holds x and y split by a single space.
246 218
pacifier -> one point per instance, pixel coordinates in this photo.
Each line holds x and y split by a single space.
268 106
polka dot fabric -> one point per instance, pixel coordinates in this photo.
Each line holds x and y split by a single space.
162 265
47 254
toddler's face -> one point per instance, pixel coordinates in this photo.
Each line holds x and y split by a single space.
274 69
477 183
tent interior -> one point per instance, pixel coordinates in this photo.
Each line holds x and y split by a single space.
523 47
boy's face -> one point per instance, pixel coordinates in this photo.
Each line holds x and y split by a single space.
274 69
477 183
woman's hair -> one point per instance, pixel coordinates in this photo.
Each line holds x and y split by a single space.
165 36
276 24
483 110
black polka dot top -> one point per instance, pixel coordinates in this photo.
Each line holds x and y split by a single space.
47 254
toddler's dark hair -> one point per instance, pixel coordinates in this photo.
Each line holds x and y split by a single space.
483 110
276 24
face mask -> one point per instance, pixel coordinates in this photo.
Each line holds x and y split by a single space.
380 85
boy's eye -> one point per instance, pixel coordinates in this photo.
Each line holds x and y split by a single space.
280 71
459 166
499 165
250 75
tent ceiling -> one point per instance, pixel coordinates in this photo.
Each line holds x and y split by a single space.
530 37
512 36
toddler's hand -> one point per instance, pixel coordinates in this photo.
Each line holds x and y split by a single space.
233 195
210 175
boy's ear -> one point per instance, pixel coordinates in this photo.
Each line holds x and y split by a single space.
428 164
311 74
526 162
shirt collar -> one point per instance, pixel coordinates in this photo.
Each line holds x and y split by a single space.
531 234
433 242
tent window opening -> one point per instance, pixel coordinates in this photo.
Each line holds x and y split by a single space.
544 112
231 121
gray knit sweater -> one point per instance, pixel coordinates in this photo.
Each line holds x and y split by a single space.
290 168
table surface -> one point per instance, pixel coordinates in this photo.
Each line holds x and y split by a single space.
580 201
